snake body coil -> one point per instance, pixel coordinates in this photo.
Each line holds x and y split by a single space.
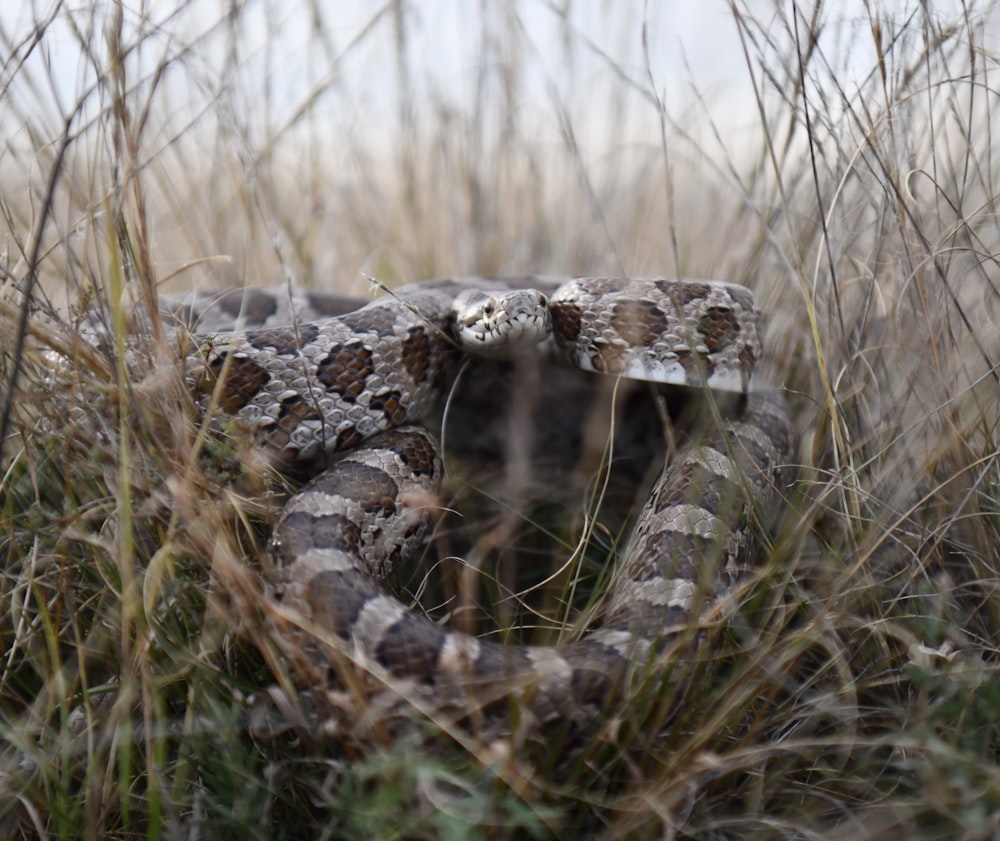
353 387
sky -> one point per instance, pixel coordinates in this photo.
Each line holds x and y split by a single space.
345 62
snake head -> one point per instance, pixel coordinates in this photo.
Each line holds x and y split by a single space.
501 324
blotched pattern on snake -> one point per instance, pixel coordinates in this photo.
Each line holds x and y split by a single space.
353 388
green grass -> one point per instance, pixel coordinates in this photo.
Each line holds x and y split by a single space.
142 689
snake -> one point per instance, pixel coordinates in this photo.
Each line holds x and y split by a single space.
354 391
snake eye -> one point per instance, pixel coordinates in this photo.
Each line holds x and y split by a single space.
488 308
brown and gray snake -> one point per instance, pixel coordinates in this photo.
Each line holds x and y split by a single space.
354 389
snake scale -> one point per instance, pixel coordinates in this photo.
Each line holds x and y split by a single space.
354 388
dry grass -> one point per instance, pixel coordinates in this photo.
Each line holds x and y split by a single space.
857 695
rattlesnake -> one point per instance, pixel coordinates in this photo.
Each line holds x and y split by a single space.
351 388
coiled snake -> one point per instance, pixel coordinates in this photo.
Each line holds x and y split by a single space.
355 386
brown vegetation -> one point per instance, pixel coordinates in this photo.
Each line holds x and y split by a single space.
857 696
